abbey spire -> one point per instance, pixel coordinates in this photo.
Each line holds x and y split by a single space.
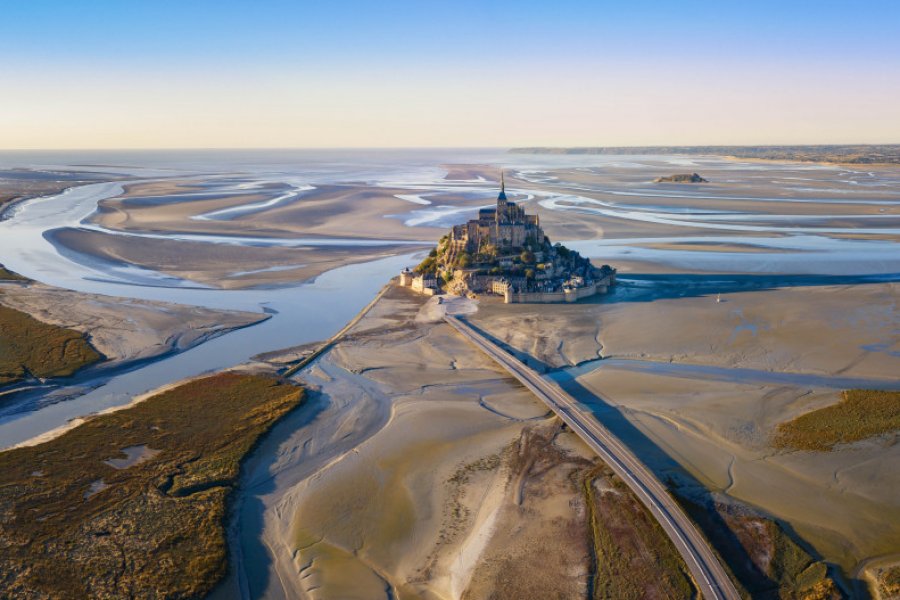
502 196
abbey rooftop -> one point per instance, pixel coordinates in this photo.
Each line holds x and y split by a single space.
505 252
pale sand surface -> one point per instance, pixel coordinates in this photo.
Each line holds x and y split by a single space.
706 247
833 330
219 265
416 470
867 236
733 188
717 426
460 172
539 547
124 215
360 211
395 412
843 503
355 211
624 267
734 191
16 184
351 210
830 330
563 225
123 329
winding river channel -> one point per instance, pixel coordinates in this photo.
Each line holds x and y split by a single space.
756 227
299 315
313 311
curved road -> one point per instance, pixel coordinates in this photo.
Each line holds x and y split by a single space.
705 567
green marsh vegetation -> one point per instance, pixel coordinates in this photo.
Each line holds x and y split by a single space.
7 275
887 582
73 525
633 558
29 347
763 560
859 415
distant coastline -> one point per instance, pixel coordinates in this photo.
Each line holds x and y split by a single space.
851 154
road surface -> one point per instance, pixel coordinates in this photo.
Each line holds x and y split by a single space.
704 566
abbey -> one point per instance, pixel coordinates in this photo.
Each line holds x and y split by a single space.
504 227
506 253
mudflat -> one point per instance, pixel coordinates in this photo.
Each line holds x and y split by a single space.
698 387
421 468
123 329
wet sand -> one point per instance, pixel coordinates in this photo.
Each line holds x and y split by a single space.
418 471
344 211
399 411
715 425
20 183
122 329
402 405
224 266
253 218
803 195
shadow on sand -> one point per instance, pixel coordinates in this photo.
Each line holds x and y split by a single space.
696 499
640 287
250 559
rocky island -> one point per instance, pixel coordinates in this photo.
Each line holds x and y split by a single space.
505 252
681 178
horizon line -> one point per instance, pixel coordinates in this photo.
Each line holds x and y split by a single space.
413 147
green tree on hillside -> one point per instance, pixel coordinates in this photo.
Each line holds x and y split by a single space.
429 265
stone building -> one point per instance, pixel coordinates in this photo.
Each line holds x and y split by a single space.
424 283
506 227
504 252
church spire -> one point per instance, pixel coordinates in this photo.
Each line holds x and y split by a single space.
502 196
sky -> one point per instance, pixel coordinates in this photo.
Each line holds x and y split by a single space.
305 73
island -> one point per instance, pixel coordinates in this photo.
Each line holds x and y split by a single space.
505 252
681 178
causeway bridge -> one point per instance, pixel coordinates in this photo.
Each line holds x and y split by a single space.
708 573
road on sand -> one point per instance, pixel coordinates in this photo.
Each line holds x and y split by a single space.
705 567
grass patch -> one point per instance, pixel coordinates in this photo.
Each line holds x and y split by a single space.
887 582
859 415
633 557
761 556
74 526
7 275
32 347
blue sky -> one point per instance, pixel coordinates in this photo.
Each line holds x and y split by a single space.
202 74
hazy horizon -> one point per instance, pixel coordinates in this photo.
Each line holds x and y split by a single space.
406 75
423 147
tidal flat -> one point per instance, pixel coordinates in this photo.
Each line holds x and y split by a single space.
802 258
459 474
699 388
426 472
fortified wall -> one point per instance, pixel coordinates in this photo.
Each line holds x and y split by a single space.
568 295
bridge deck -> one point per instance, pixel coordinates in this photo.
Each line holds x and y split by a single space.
707 571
